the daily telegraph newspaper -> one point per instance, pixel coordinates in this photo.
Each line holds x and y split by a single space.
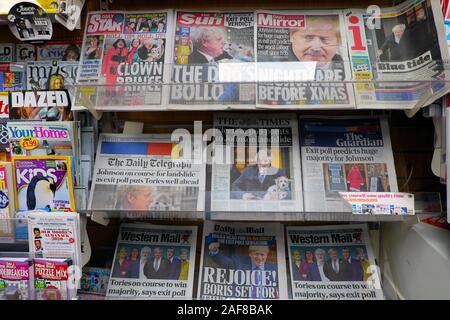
400 49
242 261
127 54
344 154
153 261
256 165
332 263
302 60
145 173
213 61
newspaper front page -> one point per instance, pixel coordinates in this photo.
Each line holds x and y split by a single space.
344 154
256 165
242 261
400 52
305 53
145 173
213 61
126 54
332 263
153 262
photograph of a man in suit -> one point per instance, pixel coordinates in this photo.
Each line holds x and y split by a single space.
255 261
394 47
208 45
157 267
318 41
357 271
337 269
254 181
174 264
315 271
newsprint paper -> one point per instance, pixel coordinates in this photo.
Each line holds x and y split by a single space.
332 262
213 61
152 262
344 154
145 173
126 54
256 165
395 49
305 53
242 261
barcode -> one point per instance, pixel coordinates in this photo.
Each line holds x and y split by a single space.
366 97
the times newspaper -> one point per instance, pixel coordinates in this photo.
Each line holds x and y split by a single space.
344 154
213 61
127 54
401 52
256 165
242 261
153 261
332 263
145 173
305 52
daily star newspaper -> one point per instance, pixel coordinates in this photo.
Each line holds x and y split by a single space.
256 165
394 49
153 261
332 263
126 53
344 154
302 60
145 173
242 261
213 61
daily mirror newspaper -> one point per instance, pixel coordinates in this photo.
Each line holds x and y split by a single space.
305 52
344 154
242 261
256 165
401 52
153 261
145 173
332 263
126 54
213 61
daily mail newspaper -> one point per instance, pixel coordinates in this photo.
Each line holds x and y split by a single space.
401 52
242 261
302 60
344 154
213 61
332 263
145 173
126 53
256 165
153 262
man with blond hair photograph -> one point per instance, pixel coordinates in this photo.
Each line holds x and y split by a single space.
394 47
208 45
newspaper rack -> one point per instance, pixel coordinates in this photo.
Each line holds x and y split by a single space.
426 203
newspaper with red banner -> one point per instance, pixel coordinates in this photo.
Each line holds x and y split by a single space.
213 61
126 53
141 174
401 52
302 60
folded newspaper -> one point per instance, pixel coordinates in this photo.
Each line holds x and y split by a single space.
126 54
256 165
145 173
242 261
153 261
344 154
213 61
332 263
